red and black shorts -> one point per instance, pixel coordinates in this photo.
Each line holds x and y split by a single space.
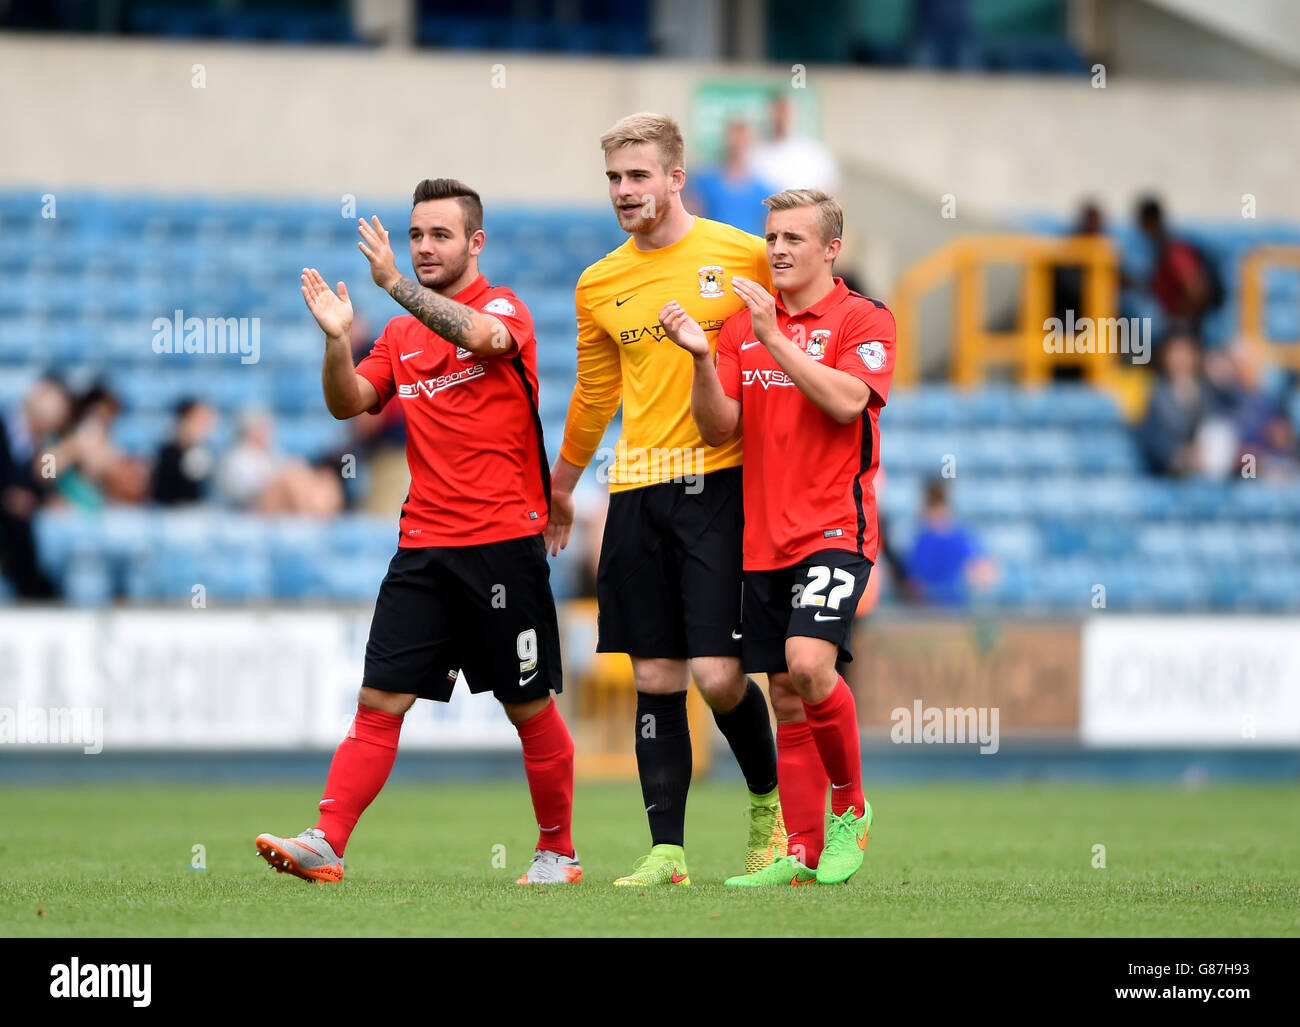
485 610
816 598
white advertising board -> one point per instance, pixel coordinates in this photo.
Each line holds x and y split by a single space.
209 679
1221 681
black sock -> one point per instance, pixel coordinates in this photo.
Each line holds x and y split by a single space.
663 759
748 731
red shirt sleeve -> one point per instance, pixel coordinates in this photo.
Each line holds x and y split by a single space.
517 319
377 366
866 351
728 355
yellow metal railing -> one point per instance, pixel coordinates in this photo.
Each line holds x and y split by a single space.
965 262
1254 267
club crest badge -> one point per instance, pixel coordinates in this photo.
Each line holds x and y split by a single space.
817 343
711 281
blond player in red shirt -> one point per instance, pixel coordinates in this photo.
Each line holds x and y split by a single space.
808 372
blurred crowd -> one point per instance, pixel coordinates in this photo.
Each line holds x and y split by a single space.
752 168
57 449
1212 411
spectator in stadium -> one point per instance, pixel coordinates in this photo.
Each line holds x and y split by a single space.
946 562
1177 409
25 431
1068 284
943 35
1067 279
185 464
790 161
1277 452
1259 427
91 468
1180 280
732 193
255 476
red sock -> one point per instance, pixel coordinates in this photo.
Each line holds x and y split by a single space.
802 780
834 725
358 771
548 764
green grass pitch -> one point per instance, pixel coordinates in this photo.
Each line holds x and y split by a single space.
944 860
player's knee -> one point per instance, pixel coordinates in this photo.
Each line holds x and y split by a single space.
812 669
396 703
519 712
787 704
659 677
720 680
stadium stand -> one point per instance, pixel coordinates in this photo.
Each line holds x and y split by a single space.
1050 479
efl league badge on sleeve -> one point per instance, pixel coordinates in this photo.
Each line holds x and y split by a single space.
817 343
500 305
711 281
873 355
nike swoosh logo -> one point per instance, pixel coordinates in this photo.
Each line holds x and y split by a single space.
678 878
838 787
323 801
750 345
619 303
406 356
524 681
736 636
796 882
862 842
818 616
651 806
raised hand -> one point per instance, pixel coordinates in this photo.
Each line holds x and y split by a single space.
761 304
684 329
379 251
333 312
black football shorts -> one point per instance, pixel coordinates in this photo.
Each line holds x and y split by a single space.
668 583
816 598
486 610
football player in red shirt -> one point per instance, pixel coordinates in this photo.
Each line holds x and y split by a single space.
469 588
808 371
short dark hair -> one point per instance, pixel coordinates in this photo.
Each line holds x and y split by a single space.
452 189
1149 209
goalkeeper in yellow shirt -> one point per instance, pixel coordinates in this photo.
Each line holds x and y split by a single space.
668 585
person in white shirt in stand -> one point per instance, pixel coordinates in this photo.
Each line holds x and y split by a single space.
788 160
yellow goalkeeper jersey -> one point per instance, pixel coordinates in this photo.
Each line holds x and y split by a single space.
623 353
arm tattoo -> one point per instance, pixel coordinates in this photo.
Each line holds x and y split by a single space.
452 320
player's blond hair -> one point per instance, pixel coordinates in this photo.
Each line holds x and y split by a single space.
647 128
830 216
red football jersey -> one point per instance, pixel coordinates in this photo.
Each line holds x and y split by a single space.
808 480
473 438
